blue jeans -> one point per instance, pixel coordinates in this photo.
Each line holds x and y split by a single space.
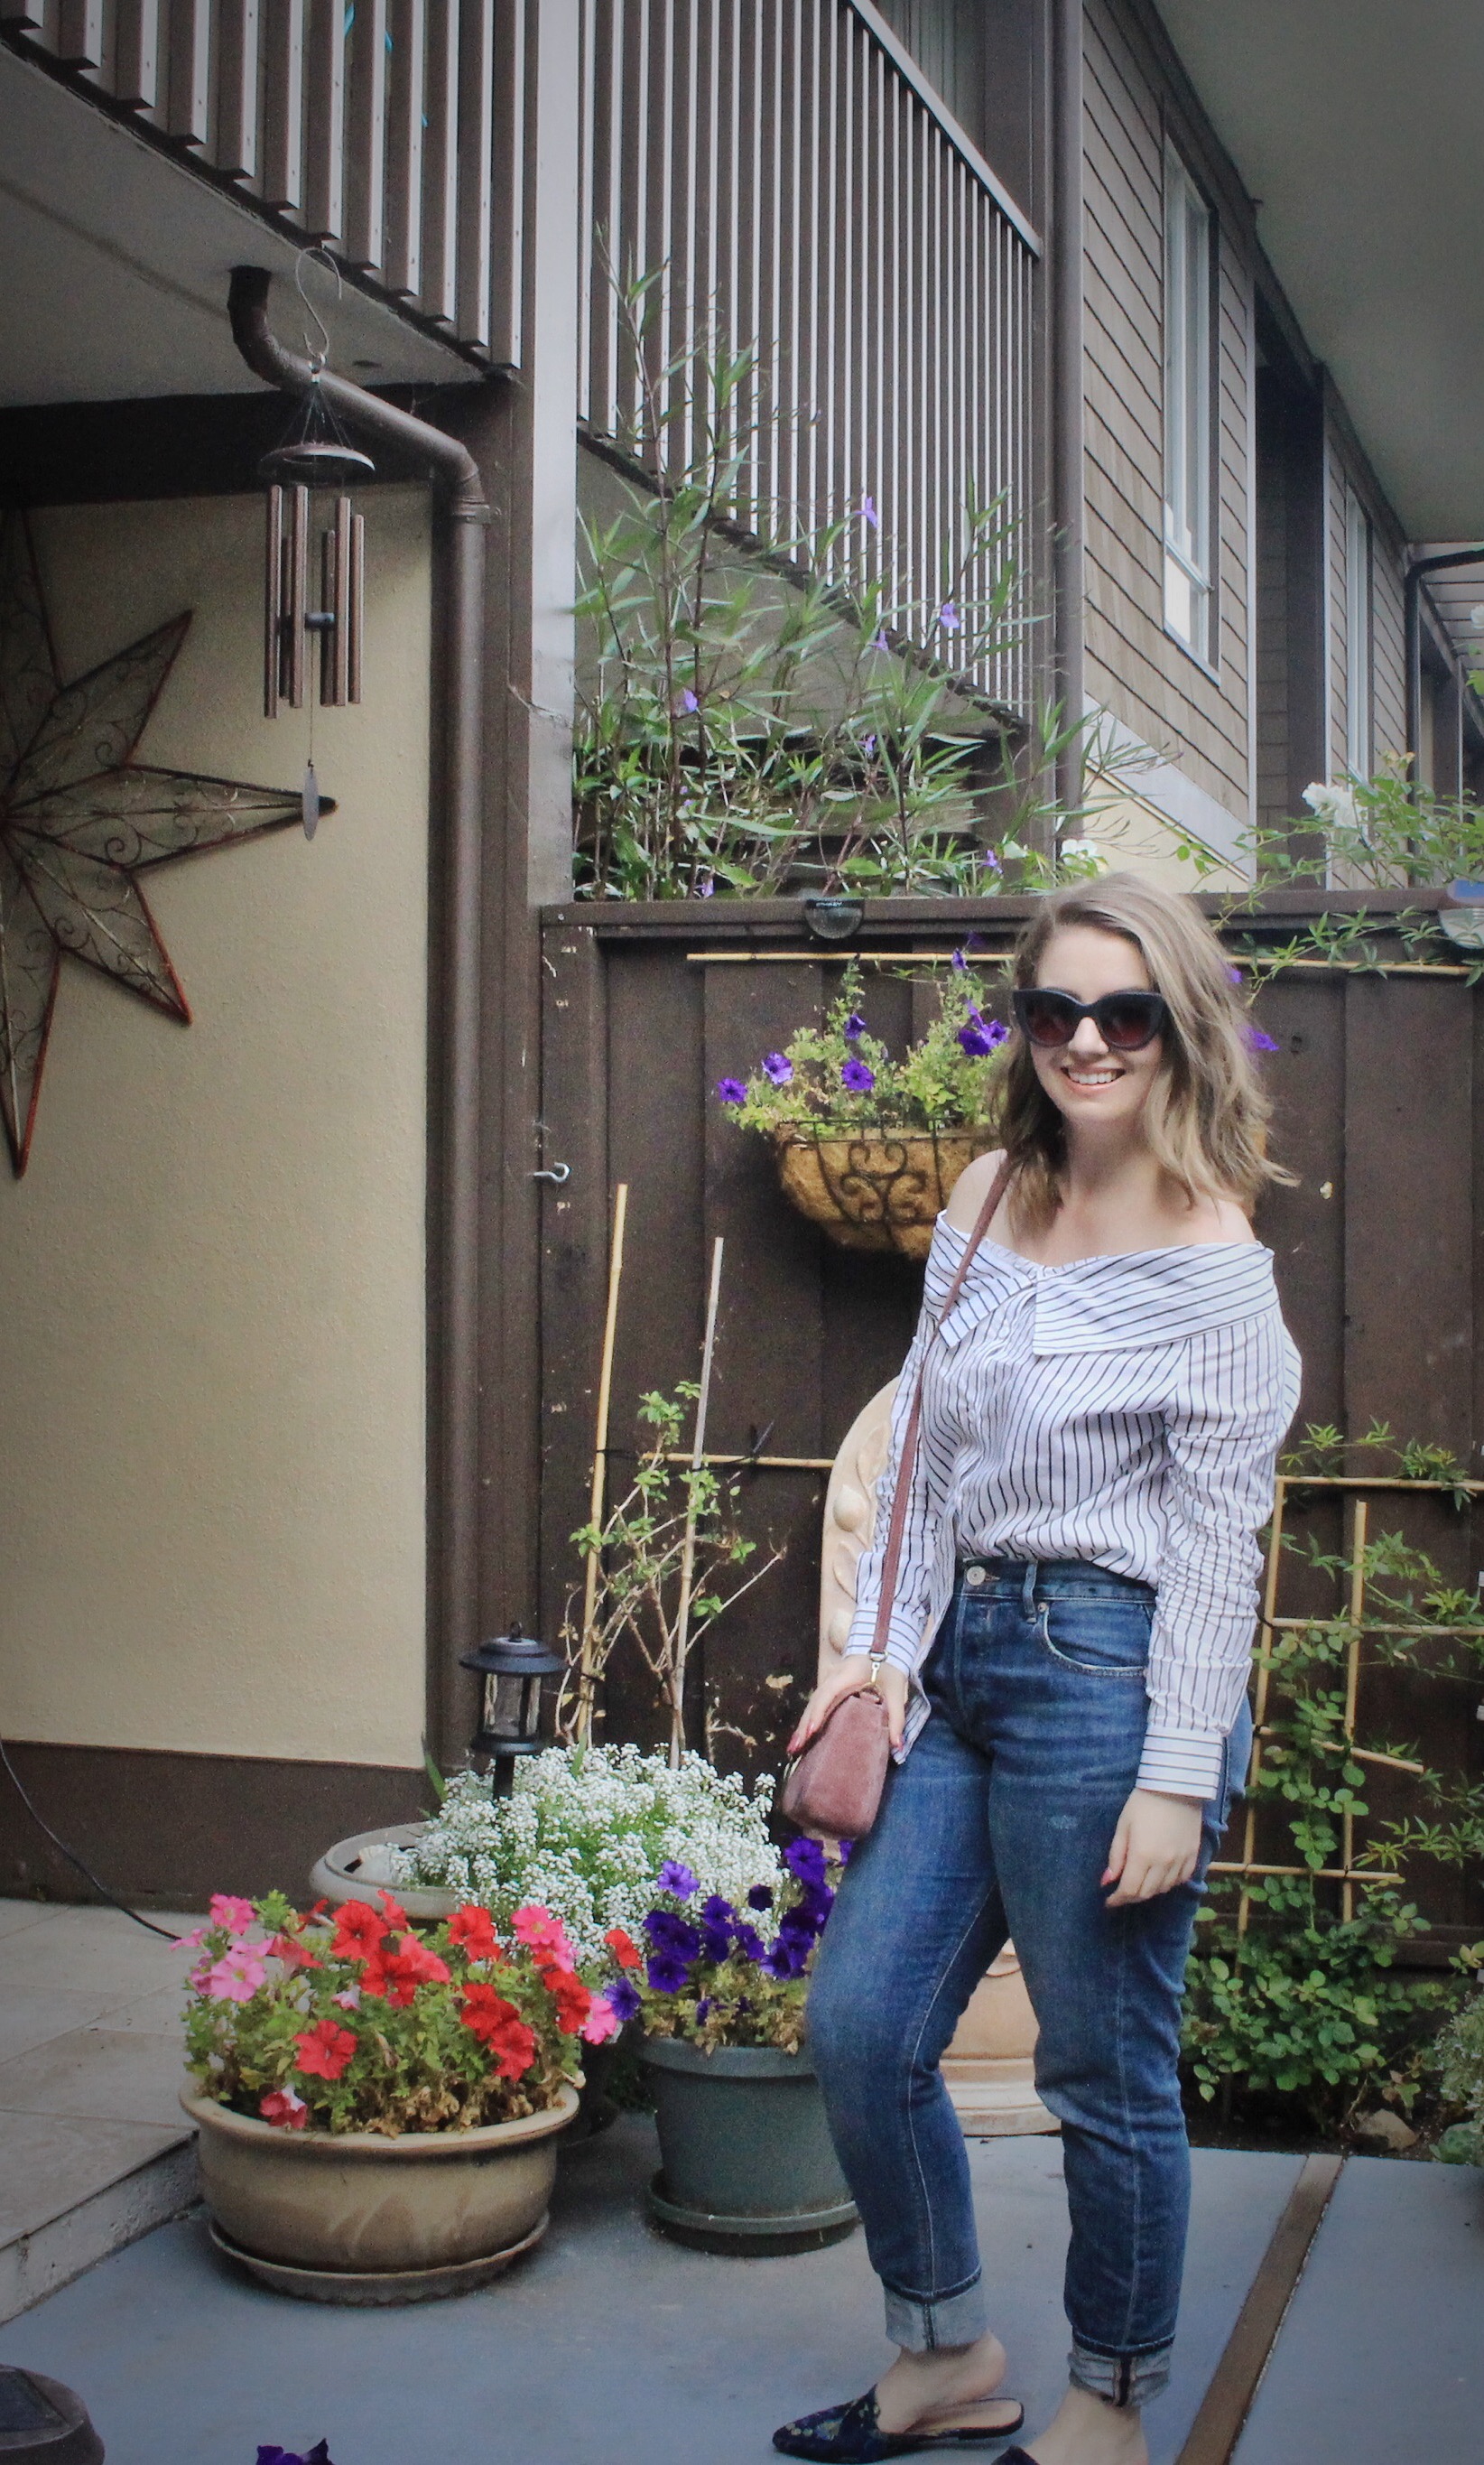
998 1825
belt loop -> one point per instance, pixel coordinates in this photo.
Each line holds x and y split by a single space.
1027 1589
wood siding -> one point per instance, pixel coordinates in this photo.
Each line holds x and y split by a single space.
1380 1110
1134 667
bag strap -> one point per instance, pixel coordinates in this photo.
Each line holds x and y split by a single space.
907 1465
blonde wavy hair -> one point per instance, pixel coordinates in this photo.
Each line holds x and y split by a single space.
1208 1112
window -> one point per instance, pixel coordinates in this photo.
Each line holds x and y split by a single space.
1358 637
1187 409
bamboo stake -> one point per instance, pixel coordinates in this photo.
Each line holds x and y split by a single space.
1270 1602
1359 1516
597 1498
1346 1874
683 1632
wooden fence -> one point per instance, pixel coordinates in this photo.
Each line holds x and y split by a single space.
1379 1083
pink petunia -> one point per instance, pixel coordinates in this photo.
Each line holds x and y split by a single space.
237 1976
349 2000
234 1914
540 1931
189 1942
601 2021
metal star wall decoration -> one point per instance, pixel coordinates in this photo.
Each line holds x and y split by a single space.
81 820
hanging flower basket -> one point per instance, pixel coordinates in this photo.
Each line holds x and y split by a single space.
875 1188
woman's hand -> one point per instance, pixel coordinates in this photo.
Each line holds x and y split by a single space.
852 1674
1155 1847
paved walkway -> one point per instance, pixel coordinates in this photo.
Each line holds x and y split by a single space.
94 2148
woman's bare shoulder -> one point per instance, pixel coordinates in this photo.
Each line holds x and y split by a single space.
1221 1220
971 1189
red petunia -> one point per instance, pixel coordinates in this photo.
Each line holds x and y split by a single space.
288 1948
393 1912
625 1950
324 2049
498 2026
358 1931
282 2106
475 1929
396 1973
571 1998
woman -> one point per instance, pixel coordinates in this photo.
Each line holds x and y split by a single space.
1065 1669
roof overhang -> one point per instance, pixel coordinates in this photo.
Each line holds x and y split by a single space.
114 261
1357 125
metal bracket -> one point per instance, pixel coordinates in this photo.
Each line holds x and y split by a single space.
557 1172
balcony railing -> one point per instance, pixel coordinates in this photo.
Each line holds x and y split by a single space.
782 168
391 131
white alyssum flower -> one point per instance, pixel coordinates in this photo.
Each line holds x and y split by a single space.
585 1832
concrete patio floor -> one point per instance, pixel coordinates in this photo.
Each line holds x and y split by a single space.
610 2344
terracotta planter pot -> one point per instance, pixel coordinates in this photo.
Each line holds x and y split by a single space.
748 2164
354 2218
880 1190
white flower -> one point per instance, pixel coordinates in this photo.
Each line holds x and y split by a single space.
586 1830
1333 807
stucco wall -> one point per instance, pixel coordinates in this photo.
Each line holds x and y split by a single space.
211 1318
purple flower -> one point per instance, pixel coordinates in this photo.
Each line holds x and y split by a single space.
779 1068
1233 975
855 1076
716 1911
748 1941
869 514
706 886
990 862
845 1849
669 1933
855 1024
688 702
998 1032
949 618
675 1877
702 2006
960 963
975 1041
867 745
318 2454
806 1859
1258 1042
761 1897
623 1999
880 643
715 1941
784 1958
668 1973
731 1091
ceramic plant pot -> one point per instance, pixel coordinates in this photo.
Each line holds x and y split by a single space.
354 2218
881 1190
337 1875
747 2163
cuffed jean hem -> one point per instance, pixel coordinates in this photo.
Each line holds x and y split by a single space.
1123 2379
923 2324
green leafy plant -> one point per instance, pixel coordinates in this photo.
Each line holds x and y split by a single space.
1462 2081
757 710
669 1550
360 2022
1305 2004
839 1079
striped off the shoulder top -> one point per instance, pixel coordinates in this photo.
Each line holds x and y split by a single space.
1124 1409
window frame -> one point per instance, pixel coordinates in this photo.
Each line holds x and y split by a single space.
1359 625
1188 524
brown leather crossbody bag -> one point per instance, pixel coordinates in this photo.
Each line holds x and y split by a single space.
834 1786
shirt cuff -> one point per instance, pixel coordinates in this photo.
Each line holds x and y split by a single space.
1182 1762
903 1636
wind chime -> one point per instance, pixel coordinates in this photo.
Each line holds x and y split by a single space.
309 479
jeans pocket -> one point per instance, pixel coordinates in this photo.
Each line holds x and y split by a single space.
1099 1637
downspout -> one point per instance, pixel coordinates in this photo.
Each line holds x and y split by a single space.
1069 475
1417 574
454 1576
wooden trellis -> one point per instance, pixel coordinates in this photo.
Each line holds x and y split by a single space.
1357 1490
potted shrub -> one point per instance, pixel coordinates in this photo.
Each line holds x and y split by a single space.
868 1147
378 2107
747 2161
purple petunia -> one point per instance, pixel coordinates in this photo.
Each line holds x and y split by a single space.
716 1911
715 1943
989 861
880 643
761 1897
1258 1042
748 1941
668 1973
855 1024
857 1078
779 1068
688 702
623 2000
869 514
731 1091
960 963
949 618
675 1877
784 1958
806 1860
669 1933
975 1040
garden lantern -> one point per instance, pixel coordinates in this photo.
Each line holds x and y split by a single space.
512 1666
315 462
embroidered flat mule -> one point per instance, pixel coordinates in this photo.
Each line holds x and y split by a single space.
852 2435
